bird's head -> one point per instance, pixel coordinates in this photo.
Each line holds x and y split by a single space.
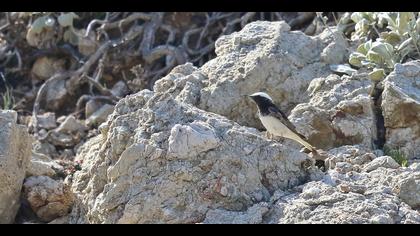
262 100
261 97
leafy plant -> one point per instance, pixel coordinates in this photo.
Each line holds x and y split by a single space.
48 21
397 155
387 38
8 100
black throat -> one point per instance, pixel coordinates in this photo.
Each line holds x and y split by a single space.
263 104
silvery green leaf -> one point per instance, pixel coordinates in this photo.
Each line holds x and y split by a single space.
391 37
385 50
367 63
392 25
356 17
381 21
377 74
362 27
38 24
67 19
344 68
405 44
343 22
403 20
370 16
405 51
418 25
368 45
356 59
361 49
374 57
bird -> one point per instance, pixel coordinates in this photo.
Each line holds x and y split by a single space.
276 122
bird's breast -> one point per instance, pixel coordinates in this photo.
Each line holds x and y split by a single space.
274 126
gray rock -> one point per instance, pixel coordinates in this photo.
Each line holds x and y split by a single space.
68 134
265 56
119 89
383 161
47 121
60 220
56 95
100 116
178 154
15 153
92 106
409 190
48 198
42 165
401 108
339 113
161 160
359 198
45 67
45 148
71 125
254 215
356 155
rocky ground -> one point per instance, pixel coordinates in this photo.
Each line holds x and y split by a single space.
190 149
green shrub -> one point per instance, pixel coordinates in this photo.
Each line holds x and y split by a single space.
8 100
397 155
386 38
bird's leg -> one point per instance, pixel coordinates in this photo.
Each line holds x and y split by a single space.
305 150
267 134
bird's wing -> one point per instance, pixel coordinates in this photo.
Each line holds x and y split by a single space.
274 111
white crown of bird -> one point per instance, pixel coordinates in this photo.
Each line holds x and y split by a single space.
262 94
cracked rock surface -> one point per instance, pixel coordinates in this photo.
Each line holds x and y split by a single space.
15 154
192 151
160 160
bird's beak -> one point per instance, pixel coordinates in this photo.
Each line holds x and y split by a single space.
249 97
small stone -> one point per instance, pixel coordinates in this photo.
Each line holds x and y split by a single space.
45 67
56 95
224 191
344 188
87 45
67 154
45 148
46 121
48 198
42 165
61 119
119 89
71 125
92 106
383 161
409 190
99 116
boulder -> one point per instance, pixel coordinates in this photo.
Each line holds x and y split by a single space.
48 198
15 153
339 112
385 195
266 56
401 108
41 164
161 160
46 121
383 161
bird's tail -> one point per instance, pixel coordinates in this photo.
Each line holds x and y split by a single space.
302 140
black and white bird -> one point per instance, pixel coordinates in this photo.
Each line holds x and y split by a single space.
276 122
